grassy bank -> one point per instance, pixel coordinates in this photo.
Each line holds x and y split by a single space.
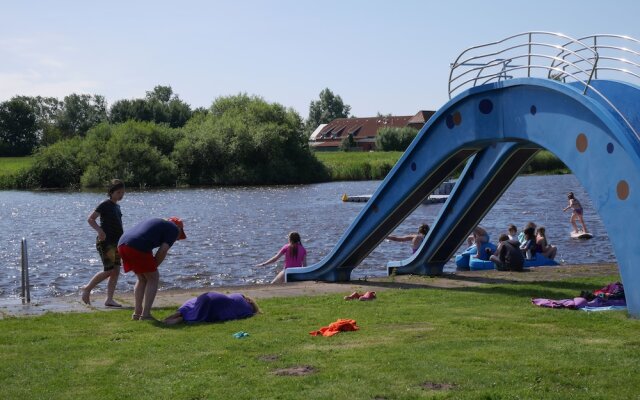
9 169
11 165
376 165
343 166
464 343
355 166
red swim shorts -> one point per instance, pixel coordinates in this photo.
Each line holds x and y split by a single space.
136 260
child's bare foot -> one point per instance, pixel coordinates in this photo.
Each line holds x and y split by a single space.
86 296
112 303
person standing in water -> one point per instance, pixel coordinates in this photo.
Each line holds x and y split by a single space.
415 238
294 253
109 231
577 213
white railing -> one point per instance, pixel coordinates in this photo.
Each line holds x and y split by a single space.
530 54
552 56
618 56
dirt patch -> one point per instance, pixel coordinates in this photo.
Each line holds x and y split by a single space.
300 370
436 386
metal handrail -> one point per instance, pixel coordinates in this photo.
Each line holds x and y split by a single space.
476 59
607 43
610 56
573 59
509 68
25 292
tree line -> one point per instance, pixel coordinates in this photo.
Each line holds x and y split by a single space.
27 123
159 140
240 139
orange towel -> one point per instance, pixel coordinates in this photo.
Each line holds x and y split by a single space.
341 325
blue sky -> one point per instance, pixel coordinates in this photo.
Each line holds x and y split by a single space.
379 56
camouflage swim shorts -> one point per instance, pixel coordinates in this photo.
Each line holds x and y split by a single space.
109 255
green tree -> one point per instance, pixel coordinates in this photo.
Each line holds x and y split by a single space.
395 139
137 152
18 128
56 166
160 105
325 110
160 93
81 112
245 140
125 110
47 111
347 143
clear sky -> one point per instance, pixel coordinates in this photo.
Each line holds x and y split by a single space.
387 56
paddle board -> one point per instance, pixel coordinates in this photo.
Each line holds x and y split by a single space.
581 235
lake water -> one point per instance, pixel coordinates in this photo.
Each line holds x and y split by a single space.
231 229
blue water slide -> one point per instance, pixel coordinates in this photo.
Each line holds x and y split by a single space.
486 176
498 127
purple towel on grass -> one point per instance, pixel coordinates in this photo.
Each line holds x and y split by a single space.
579 302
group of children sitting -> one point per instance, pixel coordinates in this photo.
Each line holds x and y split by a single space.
514 248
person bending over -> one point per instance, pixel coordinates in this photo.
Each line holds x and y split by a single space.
136 249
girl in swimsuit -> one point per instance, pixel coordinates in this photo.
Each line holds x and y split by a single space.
542 246
415 238
576 214
295 256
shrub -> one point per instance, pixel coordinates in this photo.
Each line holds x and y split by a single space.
245 140
395 139
56 166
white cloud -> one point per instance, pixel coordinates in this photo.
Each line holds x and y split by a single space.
31 83
42 67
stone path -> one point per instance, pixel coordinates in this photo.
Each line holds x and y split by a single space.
170 298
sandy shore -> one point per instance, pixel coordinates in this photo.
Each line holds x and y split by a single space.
171 298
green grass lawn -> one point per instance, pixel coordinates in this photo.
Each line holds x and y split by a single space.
484 342
10 165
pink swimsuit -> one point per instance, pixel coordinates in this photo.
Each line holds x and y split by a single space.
289 260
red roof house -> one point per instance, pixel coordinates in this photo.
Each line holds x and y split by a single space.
363 130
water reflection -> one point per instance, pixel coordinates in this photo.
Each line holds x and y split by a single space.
231 229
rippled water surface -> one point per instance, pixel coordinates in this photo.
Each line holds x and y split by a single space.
231 229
